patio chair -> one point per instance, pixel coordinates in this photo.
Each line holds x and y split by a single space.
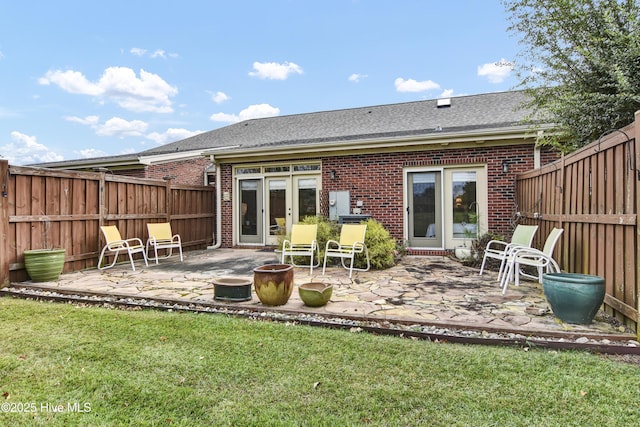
498 249
351 243
161 237
302 243
542 260
116 244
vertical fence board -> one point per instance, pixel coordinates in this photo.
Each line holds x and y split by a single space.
65 209
593 194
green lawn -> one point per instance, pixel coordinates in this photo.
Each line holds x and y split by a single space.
64 365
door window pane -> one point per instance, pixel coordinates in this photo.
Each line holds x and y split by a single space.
249 206
277 206
307 190
424 205
465 205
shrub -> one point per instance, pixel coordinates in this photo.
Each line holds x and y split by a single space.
382 247
477 251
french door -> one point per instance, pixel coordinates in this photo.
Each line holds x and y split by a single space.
268 206
424 209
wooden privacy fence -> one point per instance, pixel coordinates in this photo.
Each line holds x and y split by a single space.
44 208
593 194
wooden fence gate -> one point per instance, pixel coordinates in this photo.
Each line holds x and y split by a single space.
44 208
593 194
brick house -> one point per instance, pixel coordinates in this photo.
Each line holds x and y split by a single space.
435 173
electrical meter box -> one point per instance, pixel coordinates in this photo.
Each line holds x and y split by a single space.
339 204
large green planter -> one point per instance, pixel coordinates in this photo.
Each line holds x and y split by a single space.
44 265
574 298
273 283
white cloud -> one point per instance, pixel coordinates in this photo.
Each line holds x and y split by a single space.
90 153
120 85
496 72
220 97
24 149
355 77
121 128
446 93
89 120
251 112
412 85
72 82
159 53
115 126
137 51
274 71
171 135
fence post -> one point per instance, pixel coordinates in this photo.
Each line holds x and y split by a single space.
4 223
636 179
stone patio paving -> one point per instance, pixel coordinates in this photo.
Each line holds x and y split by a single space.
432 290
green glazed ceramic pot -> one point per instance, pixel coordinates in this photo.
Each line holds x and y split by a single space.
273 283
44 265
315 294
574 298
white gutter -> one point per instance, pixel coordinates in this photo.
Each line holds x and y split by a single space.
218 229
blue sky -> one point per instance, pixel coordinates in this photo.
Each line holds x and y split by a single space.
83 79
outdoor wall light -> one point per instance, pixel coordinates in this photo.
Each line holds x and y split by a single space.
505 166
334 175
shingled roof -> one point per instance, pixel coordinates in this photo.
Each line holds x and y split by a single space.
463 113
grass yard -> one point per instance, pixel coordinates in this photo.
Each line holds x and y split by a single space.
63 365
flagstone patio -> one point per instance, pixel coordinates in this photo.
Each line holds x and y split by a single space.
433 290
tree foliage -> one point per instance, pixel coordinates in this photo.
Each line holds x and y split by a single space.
580 65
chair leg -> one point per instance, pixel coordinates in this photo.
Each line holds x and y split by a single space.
324 264
115 259
133 267
484 259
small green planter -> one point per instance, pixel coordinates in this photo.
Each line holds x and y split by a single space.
44 265
574 298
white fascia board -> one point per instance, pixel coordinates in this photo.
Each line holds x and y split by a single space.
169 157
487 136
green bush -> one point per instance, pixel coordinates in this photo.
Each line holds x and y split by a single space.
383 250
382 247
477 251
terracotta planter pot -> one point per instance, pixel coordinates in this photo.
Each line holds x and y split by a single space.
44 265
574 298
273 283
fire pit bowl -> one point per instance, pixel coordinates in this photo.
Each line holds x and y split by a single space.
231 289
315 294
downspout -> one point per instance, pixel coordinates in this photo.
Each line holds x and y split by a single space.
218 229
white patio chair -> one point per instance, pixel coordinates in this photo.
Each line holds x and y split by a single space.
161 237
351 243
116 244
542 260
302 243
498 249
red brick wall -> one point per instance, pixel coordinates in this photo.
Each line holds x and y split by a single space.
189 171
377 180
226 185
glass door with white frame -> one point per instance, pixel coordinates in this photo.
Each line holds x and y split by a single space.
306 197
278 208
250 211
424 209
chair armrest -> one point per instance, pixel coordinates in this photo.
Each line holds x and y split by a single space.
494 243
335 243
